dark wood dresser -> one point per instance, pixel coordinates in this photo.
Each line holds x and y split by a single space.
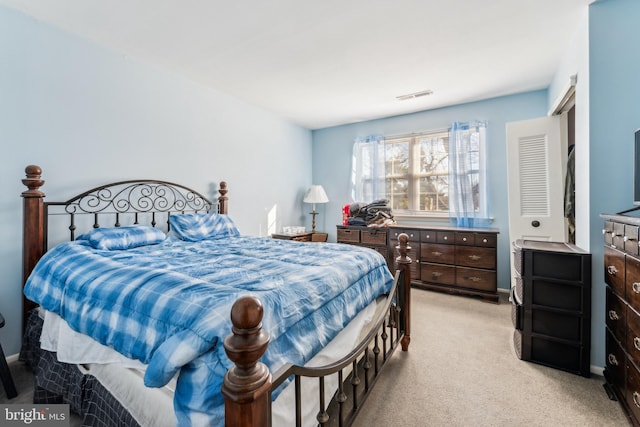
622 278
374 238
551 303
449 259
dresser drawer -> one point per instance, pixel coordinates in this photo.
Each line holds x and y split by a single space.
486 239
476 257
632 281
557 294
558 324
617 236
483 280
614 270
607 231
446 237
348 235
616 316
632 394
631 239
381 249
373 237
633 335
431 252
437 273
615 362
414 235
463 238
428 236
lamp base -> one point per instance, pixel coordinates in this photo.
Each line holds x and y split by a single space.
313 220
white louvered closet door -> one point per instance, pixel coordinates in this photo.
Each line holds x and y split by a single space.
536 164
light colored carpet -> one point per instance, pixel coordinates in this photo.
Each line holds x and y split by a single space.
461 370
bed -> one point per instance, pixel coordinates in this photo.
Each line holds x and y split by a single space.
223 327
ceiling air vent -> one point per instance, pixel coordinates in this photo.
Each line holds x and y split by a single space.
414 95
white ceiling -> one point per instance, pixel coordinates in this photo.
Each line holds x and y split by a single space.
330 62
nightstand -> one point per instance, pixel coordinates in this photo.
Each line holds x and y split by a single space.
299 237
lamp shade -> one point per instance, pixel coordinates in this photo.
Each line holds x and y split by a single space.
315 194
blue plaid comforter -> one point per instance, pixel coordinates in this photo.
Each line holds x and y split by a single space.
168 304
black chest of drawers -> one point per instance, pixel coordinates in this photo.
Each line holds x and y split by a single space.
551 305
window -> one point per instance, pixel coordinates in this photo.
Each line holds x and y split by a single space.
436 173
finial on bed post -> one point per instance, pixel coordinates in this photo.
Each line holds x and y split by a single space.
222 200
246 387
33 237
404 262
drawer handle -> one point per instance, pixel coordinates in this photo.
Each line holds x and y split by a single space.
612 270
613 315
484 240
613 360
625 239
604 231
474 278
436 253
636 287
474 257
636 343
464 239
436 274
636 399
445 238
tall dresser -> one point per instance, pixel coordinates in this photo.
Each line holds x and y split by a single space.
622 277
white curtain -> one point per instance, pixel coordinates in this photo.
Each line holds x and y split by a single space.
368 169
468 198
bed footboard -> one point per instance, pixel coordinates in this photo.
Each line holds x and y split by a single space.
248 385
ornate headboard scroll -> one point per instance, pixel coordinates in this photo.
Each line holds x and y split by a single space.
148 202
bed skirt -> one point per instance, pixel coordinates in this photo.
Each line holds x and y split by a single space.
57 382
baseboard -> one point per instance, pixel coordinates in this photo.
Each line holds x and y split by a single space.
597 370
13 358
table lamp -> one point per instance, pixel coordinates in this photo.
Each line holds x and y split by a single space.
314 195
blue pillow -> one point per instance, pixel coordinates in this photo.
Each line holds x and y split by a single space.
126 237
193 227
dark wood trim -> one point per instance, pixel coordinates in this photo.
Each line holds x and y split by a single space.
33 220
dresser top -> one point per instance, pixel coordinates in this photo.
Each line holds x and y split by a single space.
548 246
427 227
632 220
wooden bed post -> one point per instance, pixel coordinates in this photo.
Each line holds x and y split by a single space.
404 262
32 228
223 207
247 385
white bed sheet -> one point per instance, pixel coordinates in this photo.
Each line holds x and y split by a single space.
123 377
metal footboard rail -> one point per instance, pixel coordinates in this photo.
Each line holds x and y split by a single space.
248 386
362 365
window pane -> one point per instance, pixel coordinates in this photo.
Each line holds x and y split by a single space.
434 155
397 158
398 193
433 191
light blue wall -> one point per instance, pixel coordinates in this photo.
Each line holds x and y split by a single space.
614 67
89 116
332 156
